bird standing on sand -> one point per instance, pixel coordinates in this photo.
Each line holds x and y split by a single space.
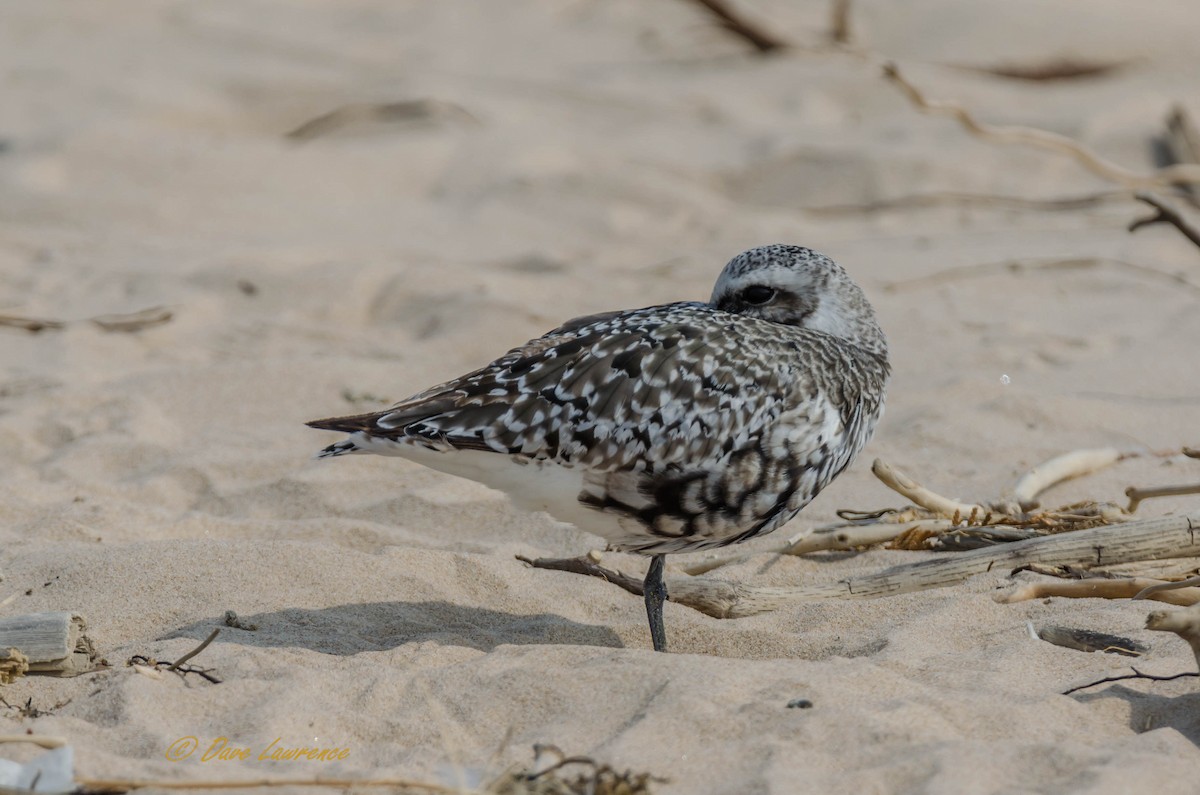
666 429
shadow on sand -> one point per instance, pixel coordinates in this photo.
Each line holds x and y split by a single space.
377 626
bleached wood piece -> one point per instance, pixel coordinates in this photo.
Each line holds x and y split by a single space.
1150 539
899 481
1060 468
55 644
1100 588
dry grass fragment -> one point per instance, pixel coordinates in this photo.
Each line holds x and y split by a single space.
373 113
1052 70
134 321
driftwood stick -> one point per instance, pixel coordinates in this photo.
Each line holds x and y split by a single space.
734 22
1150 539
588 565
900 482
1100 588
1171 175
844 539
1165 214
1158 587
1060 468
1136 495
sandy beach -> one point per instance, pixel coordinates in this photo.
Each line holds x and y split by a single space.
488 171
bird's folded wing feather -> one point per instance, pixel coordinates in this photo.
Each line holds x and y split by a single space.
660 386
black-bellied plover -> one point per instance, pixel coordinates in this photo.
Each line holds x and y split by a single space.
666 429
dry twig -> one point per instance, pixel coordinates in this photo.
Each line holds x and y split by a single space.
1171 175
1135 675
203 645
734 22
1166 214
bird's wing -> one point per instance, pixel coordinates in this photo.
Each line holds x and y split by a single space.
645 389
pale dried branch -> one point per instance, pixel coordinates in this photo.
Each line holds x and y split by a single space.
1160 587
731 20
1043 139
945 507
1136 495
1099 588
1060 468
1166 214
586 564
846 538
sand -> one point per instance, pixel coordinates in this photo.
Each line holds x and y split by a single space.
585 156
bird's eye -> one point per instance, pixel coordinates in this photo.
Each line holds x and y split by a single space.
757 294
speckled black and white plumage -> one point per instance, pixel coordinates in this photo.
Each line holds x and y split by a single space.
669 428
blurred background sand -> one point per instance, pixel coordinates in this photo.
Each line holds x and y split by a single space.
570 157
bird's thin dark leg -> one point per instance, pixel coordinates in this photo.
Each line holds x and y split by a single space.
655 591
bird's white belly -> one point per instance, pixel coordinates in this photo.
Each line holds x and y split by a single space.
531 485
